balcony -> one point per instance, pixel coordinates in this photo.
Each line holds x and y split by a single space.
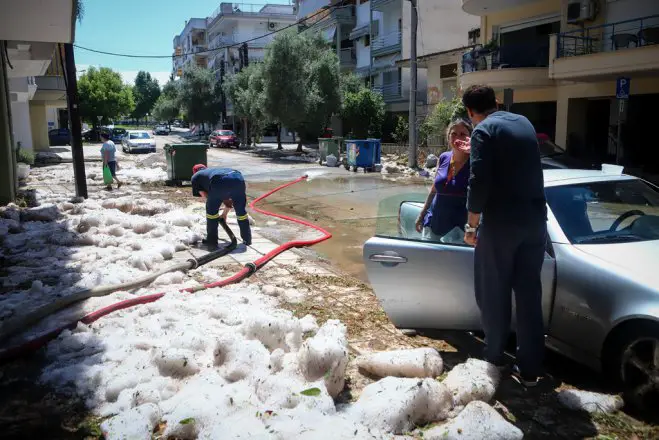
359 31
235 10
393 92
348 58
484 7
386 44
515 65
379 5
607 50
257 41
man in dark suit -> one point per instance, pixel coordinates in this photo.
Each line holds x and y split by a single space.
507 224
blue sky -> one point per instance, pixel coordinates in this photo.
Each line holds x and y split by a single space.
144 27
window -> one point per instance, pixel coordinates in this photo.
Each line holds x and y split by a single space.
606 212
140 135
448 70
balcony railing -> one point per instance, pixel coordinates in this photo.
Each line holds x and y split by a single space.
643 31
257 40
377 5
386 44
508 56
249 8
393 92
348 57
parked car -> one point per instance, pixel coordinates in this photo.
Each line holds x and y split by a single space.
117 135
600 277
161 129
137 141
223 138
94 134
59 136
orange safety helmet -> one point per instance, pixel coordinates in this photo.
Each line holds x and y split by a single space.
198 167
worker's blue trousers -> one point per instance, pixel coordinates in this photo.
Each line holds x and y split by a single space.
510 257
230 186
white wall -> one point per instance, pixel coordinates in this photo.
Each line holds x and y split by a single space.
20 117
442 25
389 18
52 115
620 10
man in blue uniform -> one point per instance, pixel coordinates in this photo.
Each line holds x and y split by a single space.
221 186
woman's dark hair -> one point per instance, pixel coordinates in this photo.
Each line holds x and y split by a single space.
105 135
479 99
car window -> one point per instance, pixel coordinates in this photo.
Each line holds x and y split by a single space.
140 135
119 131
226 133
606 212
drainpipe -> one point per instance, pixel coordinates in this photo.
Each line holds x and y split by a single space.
8 175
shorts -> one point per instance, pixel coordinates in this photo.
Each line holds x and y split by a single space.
113 168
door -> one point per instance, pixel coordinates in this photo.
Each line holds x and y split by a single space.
421 284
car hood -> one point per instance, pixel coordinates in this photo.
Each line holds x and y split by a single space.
141 141
637 258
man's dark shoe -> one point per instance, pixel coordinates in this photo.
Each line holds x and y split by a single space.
524 380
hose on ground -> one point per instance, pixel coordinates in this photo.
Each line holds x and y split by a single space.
40 341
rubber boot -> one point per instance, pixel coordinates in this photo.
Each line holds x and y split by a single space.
211 233
245 231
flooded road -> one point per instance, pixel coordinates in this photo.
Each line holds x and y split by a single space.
352 206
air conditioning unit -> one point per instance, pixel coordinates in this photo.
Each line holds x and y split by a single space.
580 10
272 25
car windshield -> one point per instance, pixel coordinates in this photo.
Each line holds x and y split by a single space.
606 212
141 135
119 131
225 133
547 147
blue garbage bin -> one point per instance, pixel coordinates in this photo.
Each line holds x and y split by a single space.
362 154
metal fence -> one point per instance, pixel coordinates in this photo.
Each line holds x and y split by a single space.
642 31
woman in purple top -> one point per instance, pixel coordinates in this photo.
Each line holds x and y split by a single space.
445 208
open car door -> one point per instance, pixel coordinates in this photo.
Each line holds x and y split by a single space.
423 284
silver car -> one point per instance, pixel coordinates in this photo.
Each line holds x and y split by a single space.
600 276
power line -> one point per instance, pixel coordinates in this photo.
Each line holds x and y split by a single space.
125 55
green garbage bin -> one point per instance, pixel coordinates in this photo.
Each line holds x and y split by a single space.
180 160
327 146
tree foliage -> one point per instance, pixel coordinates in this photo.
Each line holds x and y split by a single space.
441 116
362 109
146 92
167 106
301 83
246 91
103 93
200 96
401 132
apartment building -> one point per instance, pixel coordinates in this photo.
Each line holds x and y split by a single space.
373 38
233 23
562 59
191 46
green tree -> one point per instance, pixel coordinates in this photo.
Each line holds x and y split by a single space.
103 94
200 96
246 91
167 107
363 111
402 130
301 83
146 92
440 117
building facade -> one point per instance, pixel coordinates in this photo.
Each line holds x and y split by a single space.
32 87
562 59
190 46
373 37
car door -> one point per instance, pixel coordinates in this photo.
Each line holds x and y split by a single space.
422 284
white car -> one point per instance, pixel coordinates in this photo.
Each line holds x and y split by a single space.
136 141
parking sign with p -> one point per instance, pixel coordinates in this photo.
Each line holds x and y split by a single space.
622 87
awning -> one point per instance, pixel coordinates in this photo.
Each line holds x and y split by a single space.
359 32
328 33
385 64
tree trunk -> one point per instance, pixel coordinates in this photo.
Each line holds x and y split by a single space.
299 146
279 146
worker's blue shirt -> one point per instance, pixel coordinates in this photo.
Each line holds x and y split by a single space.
202 179
506 182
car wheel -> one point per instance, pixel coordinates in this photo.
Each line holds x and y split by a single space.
632 360
124 149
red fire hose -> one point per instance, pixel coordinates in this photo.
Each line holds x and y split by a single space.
250 268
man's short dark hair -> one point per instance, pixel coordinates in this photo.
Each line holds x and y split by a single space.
479 99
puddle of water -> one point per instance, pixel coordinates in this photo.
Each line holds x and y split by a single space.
351 207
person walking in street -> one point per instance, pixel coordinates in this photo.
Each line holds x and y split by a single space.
221 186
109 156
445 210
507 225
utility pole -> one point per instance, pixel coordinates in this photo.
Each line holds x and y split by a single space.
411 160
74 121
